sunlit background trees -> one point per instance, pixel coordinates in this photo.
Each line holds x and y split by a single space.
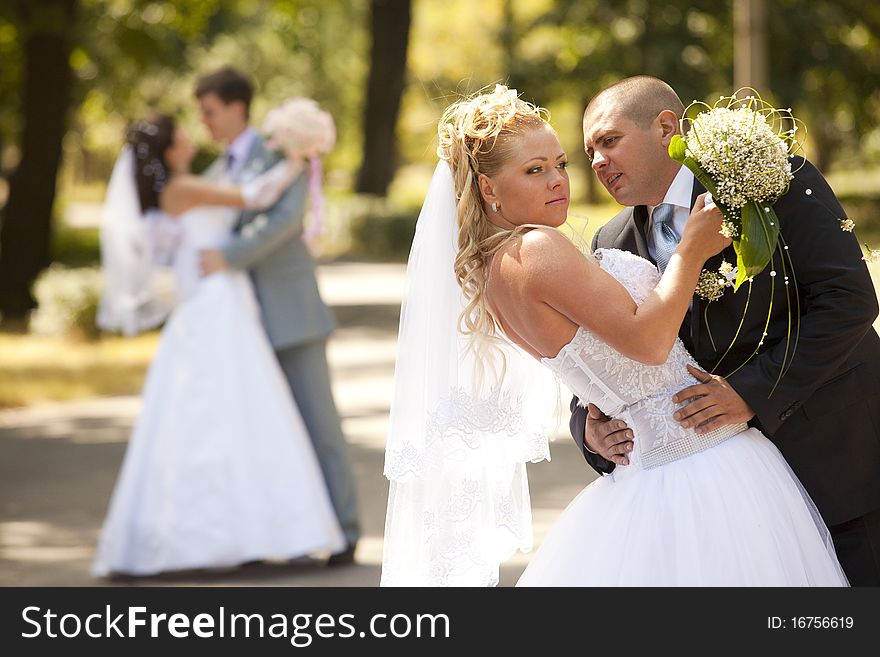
73 72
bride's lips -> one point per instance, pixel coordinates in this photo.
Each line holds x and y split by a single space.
557 201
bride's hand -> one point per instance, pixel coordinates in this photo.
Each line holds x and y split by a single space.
702 232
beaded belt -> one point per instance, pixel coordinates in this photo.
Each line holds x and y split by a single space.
692 445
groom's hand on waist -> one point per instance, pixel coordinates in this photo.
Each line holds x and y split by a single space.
715 403
609 438
211 261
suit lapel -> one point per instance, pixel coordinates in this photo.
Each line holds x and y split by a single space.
632 236
254 163
639 225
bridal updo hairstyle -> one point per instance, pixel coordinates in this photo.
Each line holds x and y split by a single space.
149 139
478 136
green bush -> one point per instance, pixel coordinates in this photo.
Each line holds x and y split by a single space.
864 209
76 247
383 236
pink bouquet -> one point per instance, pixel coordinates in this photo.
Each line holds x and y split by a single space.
300 129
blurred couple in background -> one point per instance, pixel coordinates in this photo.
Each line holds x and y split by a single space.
238 454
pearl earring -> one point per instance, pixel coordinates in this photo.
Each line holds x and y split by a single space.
494 207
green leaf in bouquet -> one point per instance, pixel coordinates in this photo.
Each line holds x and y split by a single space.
757 241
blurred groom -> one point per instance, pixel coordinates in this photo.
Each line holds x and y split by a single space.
268 245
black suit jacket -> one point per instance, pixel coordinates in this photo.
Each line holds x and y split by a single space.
824 414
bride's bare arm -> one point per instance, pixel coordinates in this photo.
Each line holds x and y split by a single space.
552 288
187 191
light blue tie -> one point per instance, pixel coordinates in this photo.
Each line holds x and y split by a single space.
665 237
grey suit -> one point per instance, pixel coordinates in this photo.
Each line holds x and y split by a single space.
267 244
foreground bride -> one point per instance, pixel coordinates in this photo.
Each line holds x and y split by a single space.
219 469
712 510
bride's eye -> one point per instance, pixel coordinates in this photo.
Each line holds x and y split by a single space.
562 165
535 170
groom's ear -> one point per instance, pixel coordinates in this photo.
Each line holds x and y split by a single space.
667 123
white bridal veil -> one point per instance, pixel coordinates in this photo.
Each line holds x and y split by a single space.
133 246
458 443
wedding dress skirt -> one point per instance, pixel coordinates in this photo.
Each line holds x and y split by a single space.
733 515
687 511
219 469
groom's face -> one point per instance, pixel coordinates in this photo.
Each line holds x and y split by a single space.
224 121
630 160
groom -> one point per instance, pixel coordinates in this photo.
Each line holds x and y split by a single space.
268 245
824 415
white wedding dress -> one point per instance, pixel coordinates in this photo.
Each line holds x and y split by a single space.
219 469
722 510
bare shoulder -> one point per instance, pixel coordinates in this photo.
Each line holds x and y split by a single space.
547 252
532 248
540 240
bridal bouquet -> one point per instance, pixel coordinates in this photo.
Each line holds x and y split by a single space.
739 150
300 129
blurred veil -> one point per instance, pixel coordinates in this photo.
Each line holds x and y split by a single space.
134 247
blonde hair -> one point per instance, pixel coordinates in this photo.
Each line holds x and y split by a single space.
477 136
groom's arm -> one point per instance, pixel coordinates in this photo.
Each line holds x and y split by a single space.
838 303
269 229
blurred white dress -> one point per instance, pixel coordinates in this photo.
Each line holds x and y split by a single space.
718 510
219 469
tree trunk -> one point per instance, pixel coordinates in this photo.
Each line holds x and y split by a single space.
390 29
750 45
27 219
591 192
508 44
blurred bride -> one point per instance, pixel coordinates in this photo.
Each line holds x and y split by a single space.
137 248
219 469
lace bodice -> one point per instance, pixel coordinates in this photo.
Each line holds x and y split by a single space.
208 227
637 393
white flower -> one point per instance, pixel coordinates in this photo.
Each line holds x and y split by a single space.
872 256
847 225
729 229
300 129
728 271
740 151
711 285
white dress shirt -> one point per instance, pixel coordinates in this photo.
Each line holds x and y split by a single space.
239 149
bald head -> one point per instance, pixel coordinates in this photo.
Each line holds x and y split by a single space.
640 99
